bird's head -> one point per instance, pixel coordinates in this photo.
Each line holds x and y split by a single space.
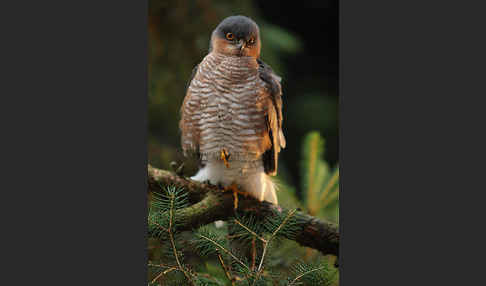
236 36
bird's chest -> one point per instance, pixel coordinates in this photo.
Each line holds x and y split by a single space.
232 114
236 93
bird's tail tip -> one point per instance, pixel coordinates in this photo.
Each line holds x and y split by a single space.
270 188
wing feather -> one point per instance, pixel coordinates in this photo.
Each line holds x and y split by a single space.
273 118
189 134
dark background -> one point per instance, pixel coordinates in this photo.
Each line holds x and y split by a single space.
311 73
300 42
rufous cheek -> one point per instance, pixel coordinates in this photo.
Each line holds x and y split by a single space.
223 46
253 51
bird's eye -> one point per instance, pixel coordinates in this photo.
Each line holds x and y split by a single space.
251 41
230 36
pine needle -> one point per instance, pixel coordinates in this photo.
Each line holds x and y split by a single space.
222 248
313 169
305 273
330 184
249 230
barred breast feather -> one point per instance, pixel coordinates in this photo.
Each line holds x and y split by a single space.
225 107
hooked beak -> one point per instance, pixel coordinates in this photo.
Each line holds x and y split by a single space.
241 45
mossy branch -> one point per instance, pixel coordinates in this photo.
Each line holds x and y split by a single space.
210 204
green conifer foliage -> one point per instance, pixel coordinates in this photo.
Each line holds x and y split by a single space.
320 183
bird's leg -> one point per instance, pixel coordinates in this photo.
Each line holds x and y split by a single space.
234 188
224 155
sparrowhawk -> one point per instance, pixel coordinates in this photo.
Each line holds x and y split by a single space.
231 116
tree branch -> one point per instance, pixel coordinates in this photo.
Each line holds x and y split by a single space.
211 204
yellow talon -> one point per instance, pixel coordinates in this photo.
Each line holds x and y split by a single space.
235 201
224 155
236 191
